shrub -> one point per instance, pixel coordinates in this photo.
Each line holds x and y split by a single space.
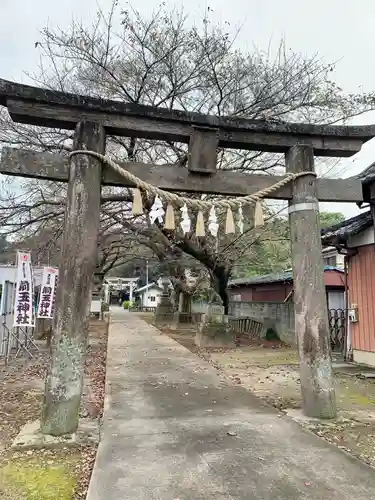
272 334
105 307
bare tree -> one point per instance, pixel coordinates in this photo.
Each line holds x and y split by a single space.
163 61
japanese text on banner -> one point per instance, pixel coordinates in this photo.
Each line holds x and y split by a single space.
23 304
47 293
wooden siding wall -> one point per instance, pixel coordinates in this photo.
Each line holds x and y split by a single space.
274 292
361 283
279 291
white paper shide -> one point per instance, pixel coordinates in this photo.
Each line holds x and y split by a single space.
47 293
23 304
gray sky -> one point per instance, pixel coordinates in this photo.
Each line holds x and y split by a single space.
324 27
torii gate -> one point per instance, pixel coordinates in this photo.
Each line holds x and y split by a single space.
92 119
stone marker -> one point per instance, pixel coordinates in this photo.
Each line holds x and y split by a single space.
214 330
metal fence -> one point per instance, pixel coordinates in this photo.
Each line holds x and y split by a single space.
13 341
337 329
246 326
7 340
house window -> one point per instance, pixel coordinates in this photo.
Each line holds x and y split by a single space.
152 298
236 298
330 261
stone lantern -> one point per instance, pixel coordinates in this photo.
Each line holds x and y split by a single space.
164 313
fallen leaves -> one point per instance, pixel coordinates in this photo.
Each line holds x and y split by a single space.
95 369
83 470
232 433
21 392
95 372
270 371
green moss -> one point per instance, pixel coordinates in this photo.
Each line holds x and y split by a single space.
357 398
271 334
38 481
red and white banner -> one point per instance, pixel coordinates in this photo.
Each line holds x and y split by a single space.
47 293
23 303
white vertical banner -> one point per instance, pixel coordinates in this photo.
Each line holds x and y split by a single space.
3 295
47 293
55 294
24 296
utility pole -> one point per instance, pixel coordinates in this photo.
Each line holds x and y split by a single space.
146 272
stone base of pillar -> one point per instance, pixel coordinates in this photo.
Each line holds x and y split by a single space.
213 334
30 437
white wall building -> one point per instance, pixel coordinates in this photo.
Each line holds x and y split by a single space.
149 295
8 273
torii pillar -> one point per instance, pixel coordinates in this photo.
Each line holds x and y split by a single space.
64 383
310 304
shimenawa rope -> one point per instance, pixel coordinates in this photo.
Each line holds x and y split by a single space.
233 203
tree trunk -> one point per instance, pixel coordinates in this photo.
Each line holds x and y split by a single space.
184 305
64 381
219 273
220 282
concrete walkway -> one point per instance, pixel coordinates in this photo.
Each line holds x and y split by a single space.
165 434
